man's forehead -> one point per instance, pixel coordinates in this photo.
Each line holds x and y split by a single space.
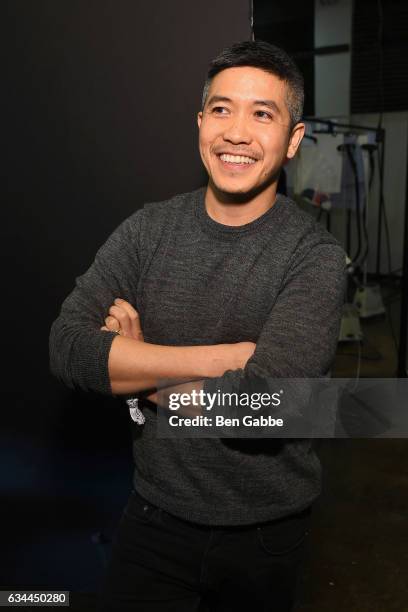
251 76
247 81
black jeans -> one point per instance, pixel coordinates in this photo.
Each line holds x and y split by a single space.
163 563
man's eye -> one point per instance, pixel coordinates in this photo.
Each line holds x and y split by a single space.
219 110
263 115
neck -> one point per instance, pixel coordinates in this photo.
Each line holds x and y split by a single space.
238 209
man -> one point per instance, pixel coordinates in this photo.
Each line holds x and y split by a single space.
217 286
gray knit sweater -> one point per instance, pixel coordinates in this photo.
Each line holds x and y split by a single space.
277 281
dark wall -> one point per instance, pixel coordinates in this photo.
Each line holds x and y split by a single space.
379 72
101 117
290 25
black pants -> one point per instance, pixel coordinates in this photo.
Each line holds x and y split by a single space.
162 563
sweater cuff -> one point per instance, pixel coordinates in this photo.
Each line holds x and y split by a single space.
91 368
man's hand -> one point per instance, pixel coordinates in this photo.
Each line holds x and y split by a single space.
124 319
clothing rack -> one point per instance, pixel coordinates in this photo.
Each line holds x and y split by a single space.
354 128
333 127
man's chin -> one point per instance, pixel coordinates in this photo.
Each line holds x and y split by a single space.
236 193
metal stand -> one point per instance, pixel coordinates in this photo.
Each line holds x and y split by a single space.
403 339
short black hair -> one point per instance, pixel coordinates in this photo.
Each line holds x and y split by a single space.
272 59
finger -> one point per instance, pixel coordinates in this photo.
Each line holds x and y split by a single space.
104 328
121 315
112 324
136 327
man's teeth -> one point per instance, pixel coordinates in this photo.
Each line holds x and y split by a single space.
237 159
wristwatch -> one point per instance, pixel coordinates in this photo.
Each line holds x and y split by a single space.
135 412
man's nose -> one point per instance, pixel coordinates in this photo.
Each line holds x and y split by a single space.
237 130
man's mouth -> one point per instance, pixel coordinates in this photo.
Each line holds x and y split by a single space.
238 160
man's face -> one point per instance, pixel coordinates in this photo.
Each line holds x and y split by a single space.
245 134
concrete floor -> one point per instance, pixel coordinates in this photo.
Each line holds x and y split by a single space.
357 558
358 546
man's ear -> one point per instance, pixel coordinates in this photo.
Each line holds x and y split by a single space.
199 119
295 139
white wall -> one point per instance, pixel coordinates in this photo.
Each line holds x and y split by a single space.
332 72
333 25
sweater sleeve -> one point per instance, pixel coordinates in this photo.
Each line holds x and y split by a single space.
300 335
79 350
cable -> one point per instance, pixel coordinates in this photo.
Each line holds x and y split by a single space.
358 366
384 212
350 148
381 61
370 149
388 309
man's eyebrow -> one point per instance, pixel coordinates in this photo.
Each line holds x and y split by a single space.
218 99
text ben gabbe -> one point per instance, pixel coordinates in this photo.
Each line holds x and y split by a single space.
208 401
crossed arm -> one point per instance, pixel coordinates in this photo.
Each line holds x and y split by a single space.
288 345
136 366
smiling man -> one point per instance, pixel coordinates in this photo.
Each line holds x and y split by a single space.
227 284
245 138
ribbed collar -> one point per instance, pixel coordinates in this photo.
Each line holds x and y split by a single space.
230 231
